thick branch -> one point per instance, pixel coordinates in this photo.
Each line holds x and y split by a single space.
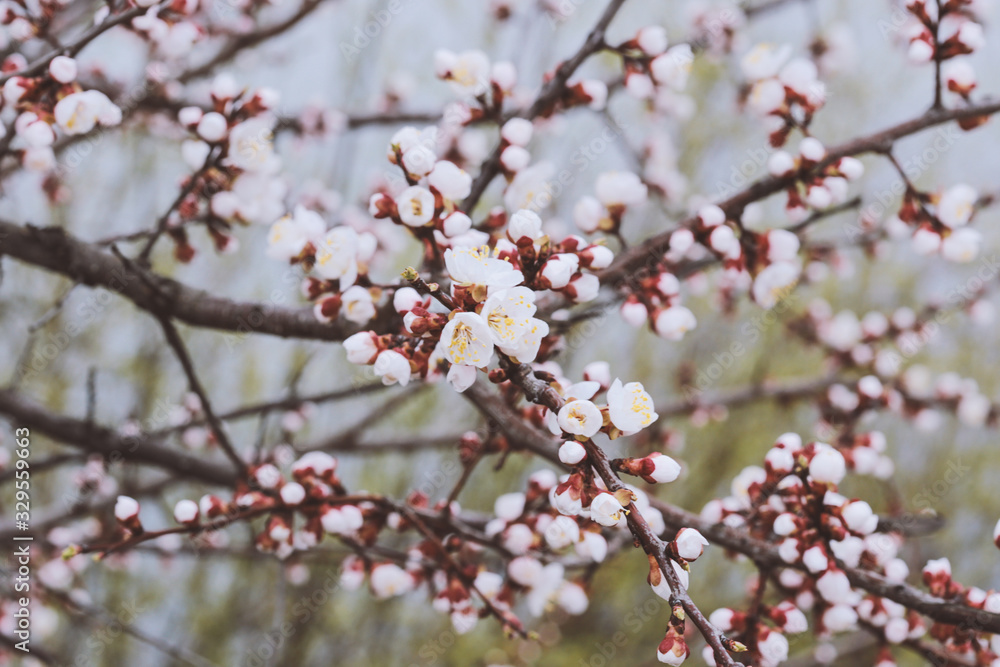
53 249
111 445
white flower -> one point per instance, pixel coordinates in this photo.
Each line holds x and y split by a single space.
392 367
524 223
194 153
559 269
780 163
562 532
584 288
834 587
606 510
292 493
389 580
597 257
827 465
251 144
588 213
773 649
260 195
652 40
580 418
597 91
766 96
126 508
337 256
451 181
488 583
416 206
518 539
357 304
419 160
764 61
639 85
186 511
630 407
361 348
934 568
80 112
782 245
634 313
475 266
811 149
63 69
723 241
672 323
973 409
456 224
344 520
962 245
517 131
665 469
572 598
504 75
468 340
801 76
37 134
842 332
509 506
859 517
673 67
564 502
690 544
468 72
525 570
461 377
851 168
774 283
213 127
592 546
839 618
815 559
620 188
289 235
530 188
711 215
784 524
572 452
515 158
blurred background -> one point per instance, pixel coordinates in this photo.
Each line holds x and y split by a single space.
223 606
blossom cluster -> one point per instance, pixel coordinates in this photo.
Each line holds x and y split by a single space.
820 535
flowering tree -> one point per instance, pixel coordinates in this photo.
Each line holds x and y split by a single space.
447 266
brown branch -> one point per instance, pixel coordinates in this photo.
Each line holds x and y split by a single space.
110 444
162 224
765 554
53 249
246 41
289 403
650 252
215 424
